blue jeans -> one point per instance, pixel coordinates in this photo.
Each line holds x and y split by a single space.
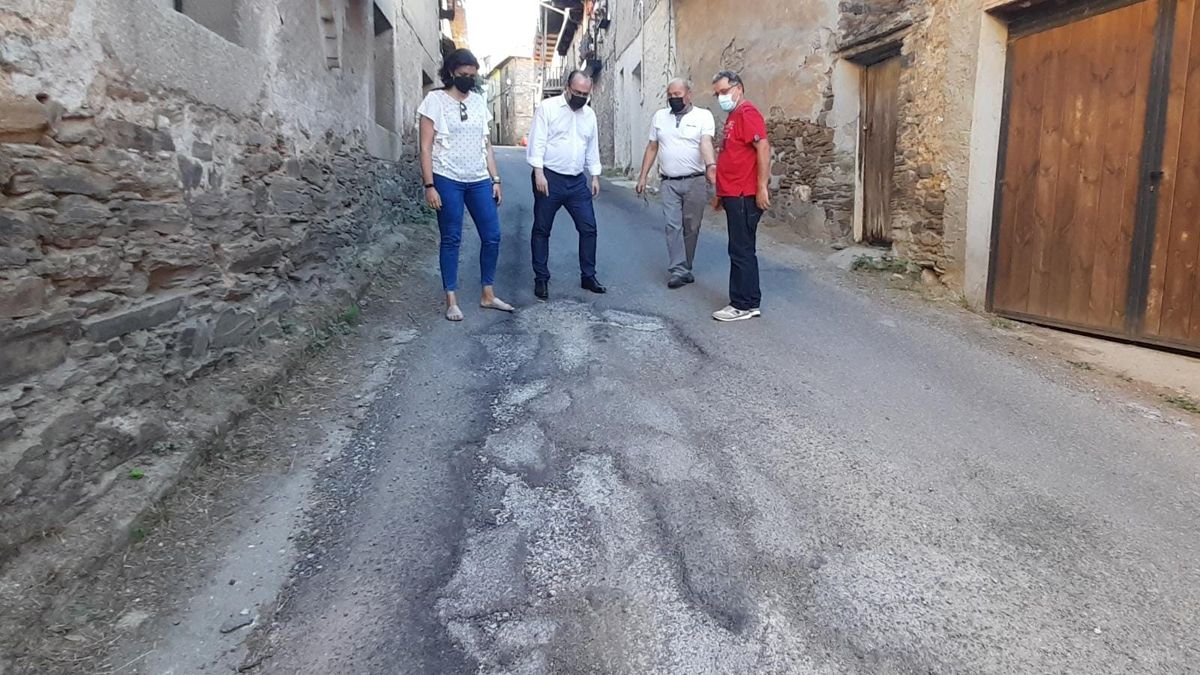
476 198
575 193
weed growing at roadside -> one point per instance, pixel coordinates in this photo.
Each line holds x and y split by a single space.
351 316
320 337
137 474
1183 402
866 263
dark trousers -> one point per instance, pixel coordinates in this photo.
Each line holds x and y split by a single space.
743 215
575 193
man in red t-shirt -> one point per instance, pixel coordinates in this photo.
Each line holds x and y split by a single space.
743 171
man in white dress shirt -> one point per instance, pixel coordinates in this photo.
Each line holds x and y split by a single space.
681 138
565 155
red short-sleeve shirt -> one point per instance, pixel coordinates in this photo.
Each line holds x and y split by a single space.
737 163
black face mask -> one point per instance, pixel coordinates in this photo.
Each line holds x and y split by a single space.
677 104
576 102
464 83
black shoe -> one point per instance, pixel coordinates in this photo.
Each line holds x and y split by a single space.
593 285
677 282
689 279
541 289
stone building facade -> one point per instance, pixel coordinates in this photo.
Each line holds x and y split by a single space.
514 94
804 64
638 59
175 190
933 40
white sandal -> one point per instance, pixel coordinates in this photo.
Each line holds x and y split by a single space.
453 313
497 303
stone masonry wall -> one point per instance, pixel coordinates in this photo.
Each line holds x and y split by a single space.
130 266
813 181
920 178
154 229
519 99
789 54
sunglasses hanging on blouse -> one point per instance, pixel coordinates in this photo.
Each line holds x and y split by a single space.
462 111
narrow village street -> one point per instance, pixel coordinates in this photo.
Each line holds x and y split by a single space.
254 417
619 484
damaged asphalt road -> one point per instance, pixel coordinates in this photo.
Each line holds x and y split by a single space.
618 484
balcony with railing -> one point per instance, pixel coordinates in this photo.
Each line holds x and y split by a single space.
554 76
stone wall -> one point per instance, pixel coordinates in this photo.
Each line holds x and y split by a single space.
810 178
516 80
921 177
131 267
862 21
639 59
152 234
798 60
784 51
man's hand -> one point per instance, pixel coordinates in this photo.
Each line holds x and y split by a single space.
716 203
497 194
763 199
433 199
539 180
595 185
641 185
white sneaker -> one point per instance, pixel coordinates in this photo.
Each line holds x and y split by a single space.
732 313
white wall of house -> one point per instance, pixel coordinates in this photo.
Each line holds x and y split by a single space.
639 60
167 50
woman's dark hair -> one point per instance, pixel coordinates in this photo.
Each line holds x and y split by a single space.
455 60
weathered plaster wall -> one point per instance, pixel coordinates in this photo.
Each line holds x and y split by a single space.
420 18
963 53
987 102
784 51
639 56
800 64
169 202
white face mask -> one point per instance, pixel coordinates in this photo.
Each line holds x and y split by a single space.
726 102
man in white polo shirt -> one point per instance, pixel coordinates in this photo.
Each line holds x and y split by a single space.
681 138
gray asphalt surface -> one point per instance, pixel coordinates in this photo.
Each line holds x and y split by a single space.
619 484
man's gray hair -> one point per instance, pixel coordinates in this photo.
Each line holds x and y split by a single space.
733 77
687 84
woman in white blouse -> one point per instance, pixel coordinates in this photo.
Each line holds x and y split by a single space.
459 170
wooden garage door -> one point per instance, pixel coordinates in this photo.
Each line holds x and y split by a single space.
1075 123
1098 214
1173 290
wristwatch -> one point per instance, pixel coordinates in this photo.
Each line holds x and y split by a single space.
495 180
428 185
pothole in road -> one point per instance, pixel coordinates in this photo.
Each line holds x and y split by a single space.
563 568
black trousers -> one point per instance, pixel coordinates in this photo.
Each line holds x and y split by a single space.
575 193
743 215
